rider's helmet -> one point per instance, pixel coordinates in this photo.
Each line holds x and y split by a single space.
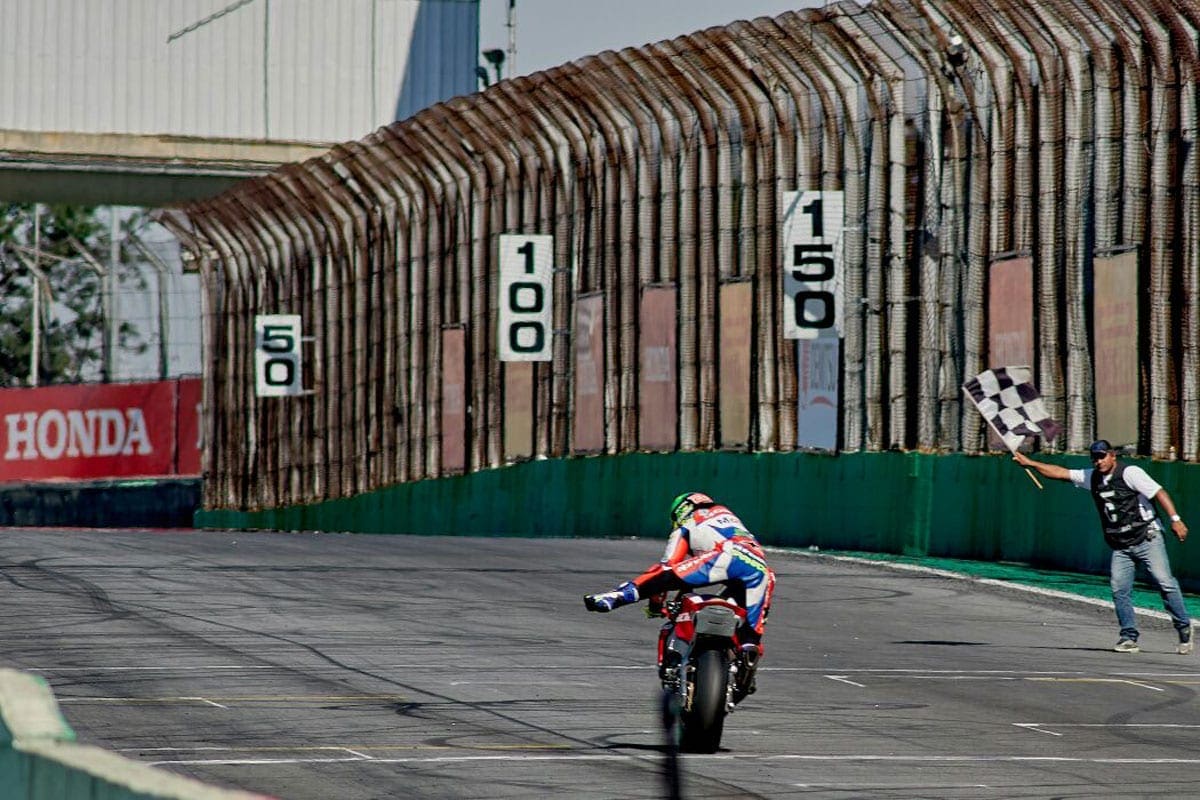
683 506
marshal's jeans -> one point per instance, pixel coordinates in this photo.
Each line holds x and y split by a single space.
1152 554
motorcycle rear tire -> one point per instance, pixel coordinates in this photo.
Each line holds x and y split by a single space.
704 722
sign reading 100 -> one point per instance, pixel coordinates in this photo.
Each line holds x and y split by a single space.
811 231
526 297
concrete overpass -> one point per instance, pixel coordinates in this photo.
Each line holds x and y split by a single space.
132 169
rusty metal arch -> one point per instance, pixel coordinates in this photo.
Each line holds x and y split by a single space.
663 165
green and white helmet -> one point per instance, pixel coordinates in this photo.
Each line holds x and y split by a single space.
683 506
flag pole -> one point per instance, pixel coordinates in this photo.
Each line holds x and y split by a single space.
991 425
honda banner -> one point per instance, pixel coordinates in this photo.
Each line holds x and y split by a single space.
99 431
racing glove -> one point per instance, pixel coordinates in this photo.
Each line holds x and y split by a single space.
623 595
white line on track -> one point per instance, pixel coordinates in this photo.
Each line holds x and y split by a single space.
1041 727
987 675
355 749
258 698
248 762
220 748
205 700
1104 725
962 576
1036 727
635 667
984 672
1125 681
844 679
513 758
427 667
886 786
945 677
508 683
172 668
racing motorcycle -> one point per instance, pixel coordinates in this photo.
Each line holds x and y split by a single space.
699 667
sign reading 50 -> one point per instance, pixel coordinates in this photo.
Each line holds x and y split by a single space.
277 355
811 231
526 297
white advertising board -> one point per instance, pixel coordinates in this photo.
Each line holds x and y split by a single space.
817 366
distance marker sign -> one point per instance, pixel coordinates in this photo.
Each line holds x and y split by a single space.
277 371
811 233
526 297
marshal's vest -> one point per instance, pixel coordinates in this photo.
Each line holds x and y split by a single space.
1120 510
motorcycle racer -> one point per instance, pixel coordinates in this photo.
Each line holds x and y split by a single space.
709 545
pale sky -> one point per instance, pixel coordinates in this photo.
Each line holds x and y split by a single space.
553 32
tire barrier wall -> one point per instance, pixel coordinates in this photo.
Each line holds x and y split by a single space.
1054 142
40 760
953 506
149 503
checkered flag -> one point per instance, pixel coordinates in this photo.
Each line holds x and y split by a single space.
1008 400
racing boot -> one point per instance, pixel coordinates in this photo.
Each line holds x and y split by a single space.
748 657
623 595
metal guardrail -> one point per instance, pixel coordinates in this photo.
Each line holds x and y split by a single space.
40 759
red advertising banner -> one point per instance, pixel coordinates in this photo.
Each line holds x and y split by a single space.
518 409
1010 313
657 385
1010 320
454 400
589 374
736 316
98 431
1116 337
190 439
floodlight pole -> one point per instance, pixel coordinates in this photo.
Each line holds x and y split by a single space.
106 305
35 350
512 37
163 317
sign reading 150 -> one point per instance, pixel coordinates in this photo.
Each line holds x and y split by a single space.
526 297
812 263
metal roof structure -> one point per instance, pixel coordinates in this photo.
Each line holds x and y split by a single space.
163 100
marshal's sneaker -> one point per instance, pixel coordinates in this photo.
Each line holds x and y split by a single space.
1127 646
1185 642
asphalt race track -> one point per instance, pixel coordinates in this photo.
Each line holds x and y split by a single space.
334 667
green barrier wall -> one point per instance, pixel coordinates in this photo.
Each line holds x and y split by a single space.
951 506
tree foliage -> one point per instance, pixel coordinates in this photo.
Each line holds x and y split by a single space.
72 321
